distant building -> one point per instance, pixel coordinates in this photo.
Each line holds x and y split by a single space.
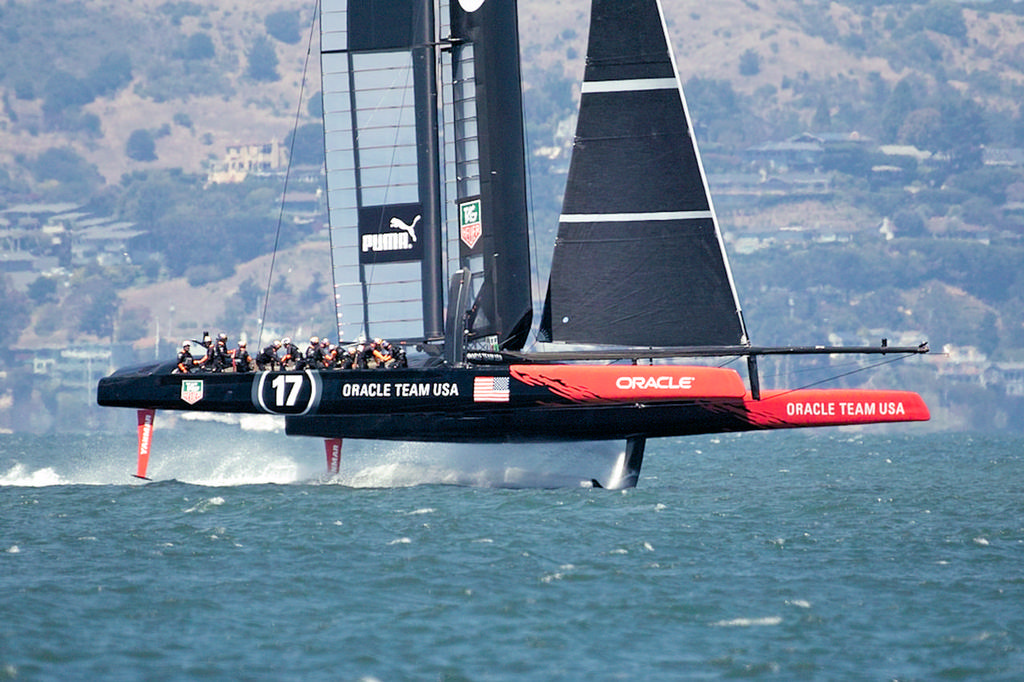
807 152
241 160
803 152
1013 158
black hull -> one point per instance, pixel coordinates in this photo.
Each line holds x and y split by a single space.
524 425
386 405
512 403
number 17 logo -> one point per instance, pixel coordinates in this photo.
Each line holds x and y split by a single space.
283 397
286 393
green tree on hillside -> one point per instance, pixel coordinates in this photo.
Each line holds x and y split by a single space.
181 9
199 46
921 128
897 107
822 121
229 224
76 178
64 165
100 313
262 61
43 290
941 16
141 146
750 63
719 113
113 73
965 131
14 310
283 26
63 93
307 145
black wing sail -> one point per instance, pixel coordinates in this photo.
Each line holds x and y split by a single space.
378 63
639 259
395 76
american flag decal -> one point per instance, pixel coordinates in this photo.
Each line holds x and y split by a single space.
490 390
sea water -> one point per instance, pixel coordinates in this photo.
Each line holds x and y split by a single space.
824 555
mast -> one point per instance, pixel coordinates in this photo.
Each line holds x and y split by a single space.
492 212
425 59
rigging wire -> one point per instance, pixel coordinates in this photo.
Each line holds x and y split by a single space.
531 222
403 109
288 171
839 376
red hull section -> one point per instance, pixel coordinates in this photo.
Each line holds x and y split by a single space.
617 383
781 409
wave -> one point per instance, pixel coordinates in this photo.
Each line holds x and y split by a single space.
21 475
213 453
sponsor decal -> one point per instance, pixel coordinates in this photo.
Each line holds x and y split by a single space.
146 417
287 392
471 5
394 241
780 408
401 389
390 234
663 383
846 409
192 391
333 448
470 222
587 383
490 389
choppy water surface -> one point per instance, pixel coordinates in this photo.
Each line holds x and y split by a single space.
819 555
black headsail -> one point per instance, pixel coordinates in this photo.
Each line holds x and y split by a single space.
405 211
639 259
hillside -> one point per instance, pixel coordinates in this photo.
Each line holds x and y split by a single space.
202 101
200 96
119 109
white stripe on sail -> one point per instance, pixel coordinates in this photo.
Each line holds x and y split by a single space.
633 217
631 85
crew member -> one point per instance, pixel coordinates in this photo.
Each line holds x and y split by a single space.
221 356
379 349
206 362
312 359
240 358
351 357
400 358
267 358
291 353
185 360
366 358
326 354
333 357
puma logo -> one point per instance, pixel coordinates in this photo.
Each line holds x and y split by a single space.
399 224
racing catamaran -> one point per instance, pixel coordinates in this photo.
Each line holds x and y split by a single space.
426 179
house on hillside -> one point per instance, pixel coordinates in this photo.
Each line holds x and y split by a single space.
241 160
1011 158
808 152
802 152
